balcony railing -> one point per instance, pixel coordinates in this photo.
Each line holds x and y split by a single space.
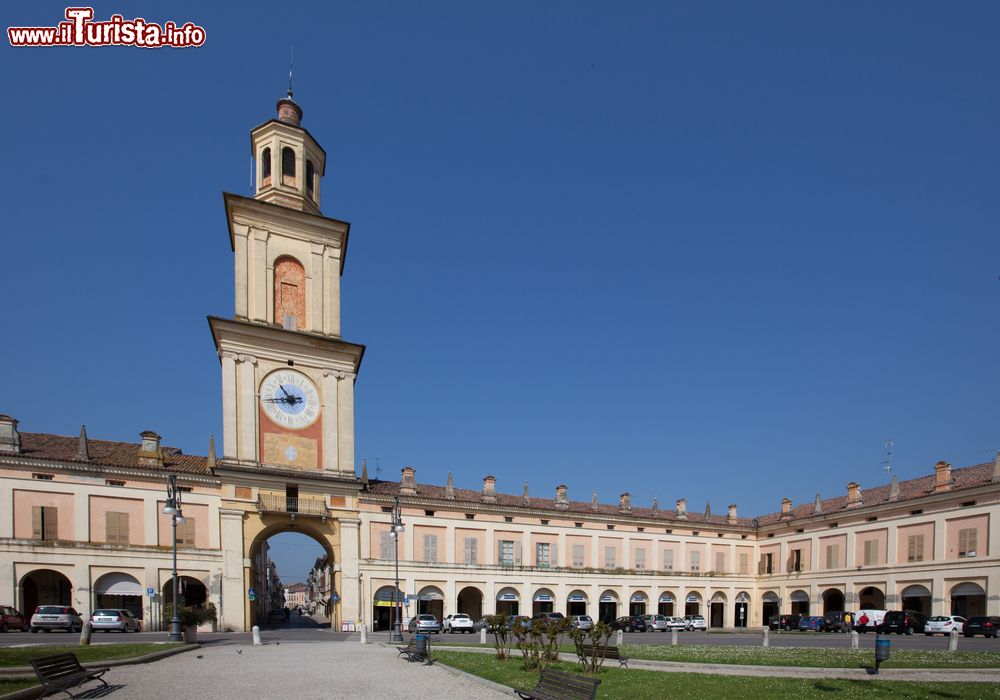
291 505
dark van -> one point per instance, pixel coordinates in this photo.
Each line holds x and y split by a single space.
903 622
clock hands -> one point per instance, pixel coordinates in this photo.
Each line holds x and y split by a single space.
289 399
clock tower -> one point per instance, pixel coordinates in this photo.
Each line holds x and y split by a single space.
287 374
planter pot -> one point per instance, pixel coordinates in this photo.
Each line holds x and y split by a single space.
191 635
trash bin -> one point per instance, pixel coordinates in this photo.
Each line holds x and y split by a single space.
421 644
882 645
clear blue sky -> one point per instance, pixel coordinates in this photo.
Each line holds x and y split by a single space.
713 250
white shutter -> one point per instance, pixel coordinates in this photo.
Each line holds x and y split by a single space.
473 544
517 554
554 555
668 559
720 562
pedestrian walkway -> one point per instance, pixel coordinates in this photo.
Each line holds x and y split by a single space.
289 670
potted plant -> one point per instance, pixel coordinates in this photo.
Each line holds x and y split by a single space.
191 617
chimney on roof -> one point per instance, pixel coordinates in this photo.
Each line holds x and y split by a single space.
211 461
682 509
942 477
562 500
150 451
82 448
731 517
996 468
593 500
656 507
625 503
894 489
786 508
10 439
449 489
853 495
490 489
525 498
408 482
818 507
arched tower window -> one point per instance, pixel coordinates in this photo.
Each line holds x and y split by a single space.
310 173
287 166
289 293
265 168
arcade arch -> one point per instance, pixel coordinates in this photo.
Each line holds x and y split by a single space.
44 587
800 602
607 606
968 599
470 602
576 603
833 600
637 603
508 601
119 591
542 601
871 598
717 610
665 603
916 598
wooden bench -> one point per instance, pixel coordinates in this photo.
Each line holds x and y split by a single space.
611 652
63 671
411 653
559 685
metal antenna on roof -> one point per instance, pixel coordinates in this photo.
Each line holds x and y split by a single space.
887 464
378 470
291 64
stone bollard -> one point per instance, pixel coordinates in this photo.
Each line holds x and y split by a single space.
364 634
85 631
618 638
855 639
767 637
482 636
256 636
953 640
673 636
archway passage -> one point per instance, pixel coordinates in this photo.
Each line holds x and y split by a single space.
508 602
665 604
607 607
717 611
916 598
430 601
382 607
741 610
470 602
769 606
833 601
576 603
637 603
190 591
119 591
692 604
45 587
968 599
871 598
800 603
542 601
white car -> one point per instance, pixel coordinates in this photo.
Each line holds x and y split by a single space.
56 617
114 619
459 622
676 623
943 624
695 622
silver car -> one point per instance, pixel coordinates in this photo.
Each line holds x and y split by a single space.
112 619
676 623
425 623
943 624
56 617
656 623
581 622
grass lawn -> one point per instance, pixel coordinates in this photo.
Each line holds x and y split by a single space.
817 657
10 685
636 684
22 656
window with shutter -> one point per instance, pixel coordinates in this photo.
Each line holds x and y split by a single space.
506 552
578 555
542 556
832 556
116 528
871 552
609 557
430 548
44 523
915 548
795 563
744 563
668 560
385 546
470 550
640 559
517 554
720 562
769 563
967 542
695 561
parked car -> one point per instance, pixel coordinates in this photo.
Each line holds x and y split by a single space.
943 624
836 622
121 620
581 622
12 619
874 616
656 623
903 622
548 616
276 617
784 622
986 626
812 623
629 623
676 623
424 623
460 622
56 617
483 623
518 620
695 622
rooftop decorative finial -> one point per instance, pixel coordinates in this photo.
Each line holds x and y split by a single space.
708 510
526 498
83 449
996 468
656 506
364 472
593 500
819 504
211 460
449 489
291 64
894 489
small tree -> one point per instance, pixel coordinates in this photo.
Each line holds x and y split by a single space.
539 641
596 642
501 635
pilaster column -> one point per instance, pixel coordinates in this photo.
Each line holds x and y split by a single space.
6 519
331 287
345 394
235 604
350 605
259 279
242 270
229 430
450 544
246 409
331 420
315 282
891 536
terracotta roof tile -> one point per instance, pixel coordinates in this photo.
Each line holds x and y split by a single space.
125 455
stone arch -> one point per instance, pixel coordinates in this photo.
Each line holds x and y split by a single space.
968 599
638 603
576 603
871 598
717 609
666 603
741 609
288 167
770 605
607 606
430 601
382 604
800 602
119 590
833 600
470 602
542 600
508 601
692 603
916 597
265 167
44 587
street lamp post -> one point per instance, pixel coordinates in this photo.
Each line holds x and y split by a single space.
173 509
397 530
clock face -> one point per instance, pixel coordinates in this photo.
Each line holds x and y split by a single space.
289 399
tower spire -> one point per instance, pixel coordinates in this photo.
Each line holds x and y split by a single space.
291 64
